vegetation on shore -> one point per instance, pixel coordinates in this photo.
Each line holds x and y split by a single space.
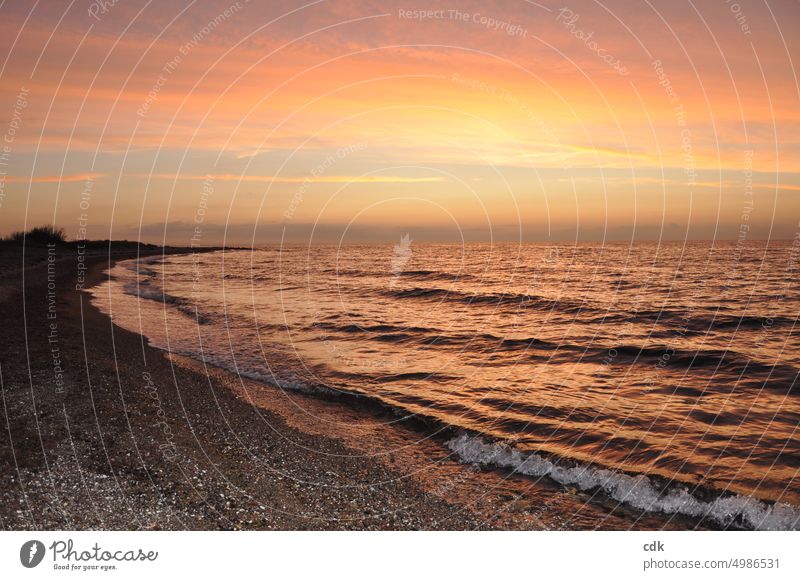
40 236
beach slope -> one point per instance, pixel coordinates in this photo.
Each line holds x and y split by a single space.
101 431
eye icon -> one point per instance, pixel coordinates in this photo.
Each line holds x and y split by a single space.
31 553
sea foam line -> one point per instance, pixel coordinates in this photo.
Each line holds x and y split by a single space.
634 490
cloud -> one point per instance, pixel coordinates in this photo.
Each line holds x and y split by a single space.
54 178
291 179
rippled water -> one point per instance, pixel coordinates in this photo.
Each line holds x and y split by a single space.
591 365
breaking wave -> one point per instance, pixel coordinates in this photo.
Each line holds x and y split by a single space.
637 491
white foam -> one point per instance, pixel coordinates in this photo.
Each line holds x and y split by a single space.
268 378
146 292
288 384
634 490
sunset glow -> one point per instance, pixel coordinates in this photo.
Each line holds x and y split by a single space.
508 121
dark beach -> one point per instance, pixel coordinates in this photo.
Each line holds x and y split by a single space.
102 431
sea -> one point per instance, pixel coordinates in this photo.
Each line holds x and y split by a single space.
663 376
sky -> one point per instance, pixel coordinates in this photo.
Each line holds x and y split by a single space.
246 122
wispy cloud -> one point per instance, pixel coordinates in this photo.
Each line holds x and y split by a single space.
54 178
296 179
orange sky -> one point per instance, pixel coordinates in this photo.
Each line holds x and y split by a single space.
483 120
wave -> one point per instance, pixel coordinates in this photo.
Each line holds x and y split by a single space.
637 491
698 323
432 275
396 377
348 272
143 290
492 299
662 356
683 321
357 328
407 274
285 382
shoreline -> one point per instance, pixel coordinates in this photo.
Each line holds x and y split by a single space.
135 441
145 439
